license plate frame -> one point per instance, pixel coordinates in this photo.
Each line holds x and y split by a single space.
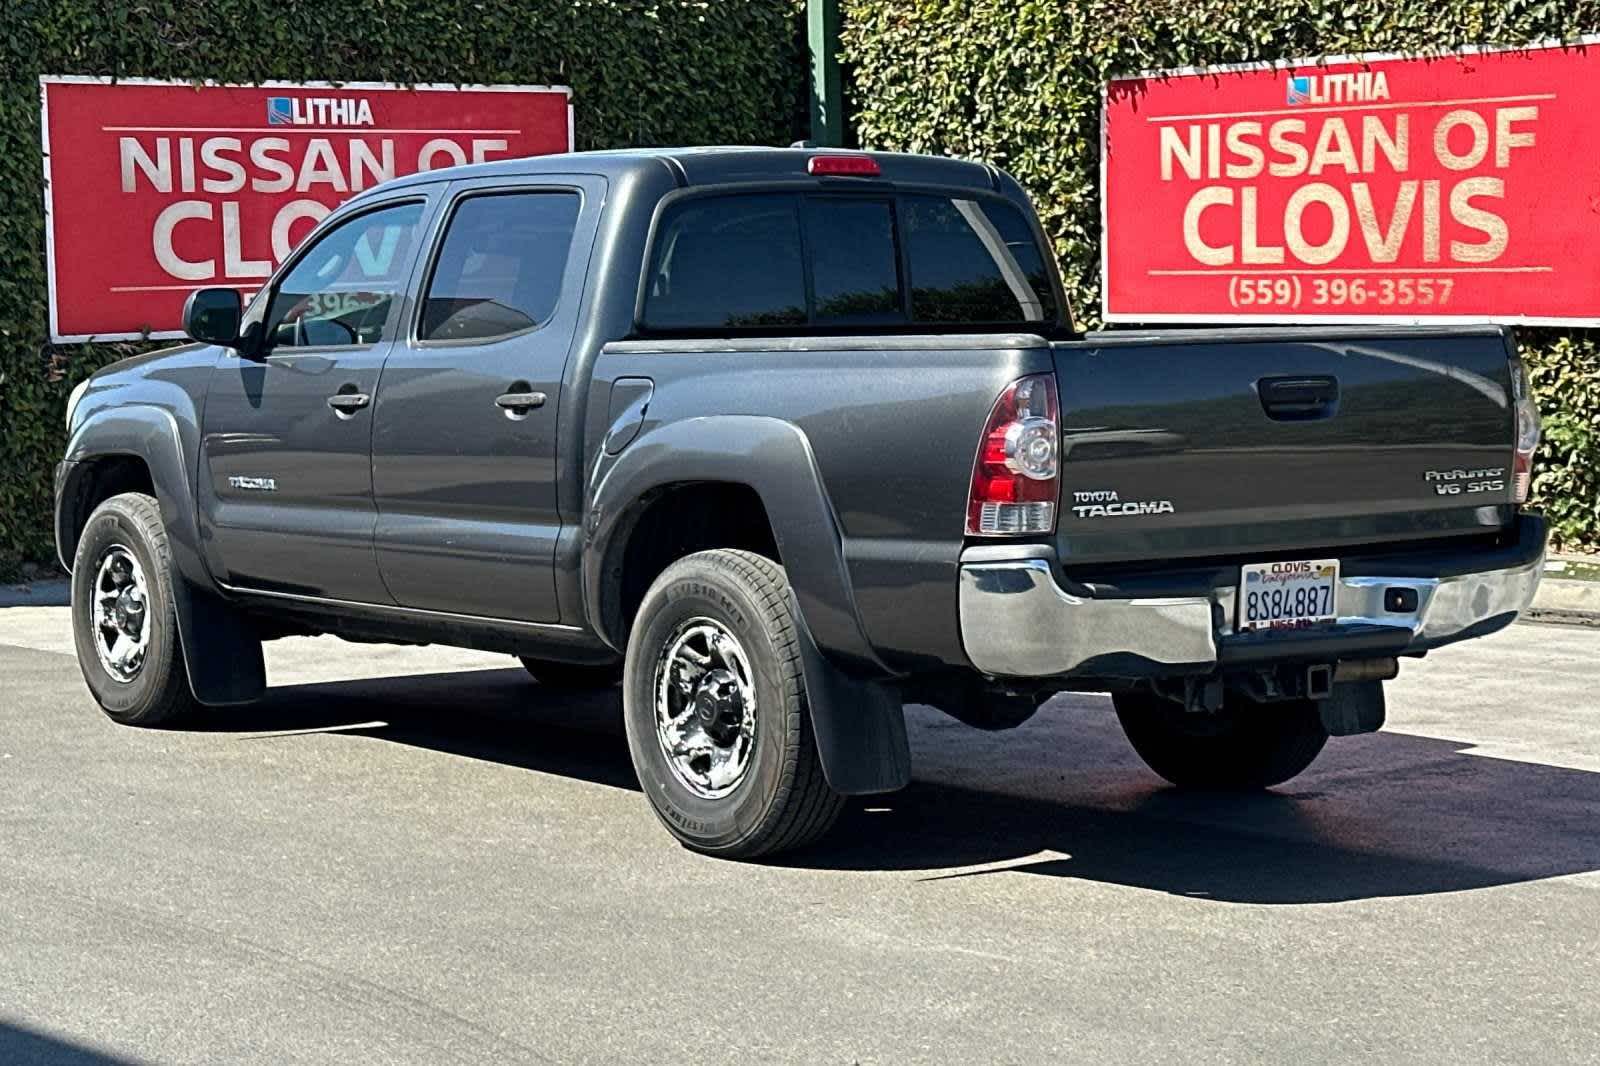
1287 594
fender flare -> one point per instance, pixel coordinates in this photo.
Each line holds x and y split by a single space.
768 455
220 650
856 716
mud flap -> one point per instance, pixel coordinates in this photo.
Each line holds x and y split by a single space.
860 726
1353 707
220 650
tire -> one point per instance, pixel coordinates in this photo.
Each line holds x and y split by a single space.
574 677
1245 746
125 541
780 800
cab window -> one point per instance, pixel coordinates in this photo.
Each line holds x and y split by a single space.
341 291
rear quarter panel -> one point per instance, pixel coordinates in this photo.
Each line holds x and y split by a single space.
893 425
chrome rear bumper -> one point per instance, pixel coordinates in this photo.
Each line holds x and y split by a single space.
1017 621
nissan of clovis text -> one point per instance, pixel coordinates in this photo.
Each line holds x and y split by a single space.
779 440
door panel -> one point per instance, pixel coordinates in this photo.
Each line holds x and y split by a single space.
464 443
291 481
286 445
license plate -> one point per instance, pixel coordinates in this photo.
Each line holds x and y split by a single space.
1287 595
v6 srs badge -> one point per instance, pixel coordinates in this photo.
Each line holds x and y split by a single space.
1457 481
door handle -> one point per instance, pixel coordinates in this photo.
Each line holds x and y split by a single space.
520 400
1298 399
348 403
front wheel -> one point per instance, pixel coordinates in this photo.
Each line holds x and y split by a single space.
715 706
1246 745
124 624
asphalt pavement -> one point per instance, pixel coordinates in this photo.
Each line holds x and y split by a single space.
420 856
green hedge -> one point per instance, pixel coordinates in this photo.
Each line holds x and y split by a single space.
647 72
1017 83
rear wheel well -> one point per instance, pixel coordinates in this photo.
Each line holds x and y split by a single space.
100 479
676 521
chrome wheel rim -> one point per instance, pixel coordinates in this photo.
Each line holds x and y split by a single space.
119 614
705 708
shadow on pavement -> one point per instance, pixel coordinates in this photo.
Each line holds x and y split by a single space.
1382 815
21 1046
500 716
1497 823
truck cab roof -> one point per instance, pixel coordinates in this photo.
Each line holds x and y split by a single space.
718 165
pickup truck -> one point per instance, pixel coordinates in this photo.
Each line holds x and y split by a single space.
779 440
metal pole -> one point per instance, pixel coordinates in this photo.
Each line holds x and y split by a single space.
827 104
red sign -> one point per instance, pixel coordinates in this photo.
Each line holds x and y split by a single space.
155 189
1356 189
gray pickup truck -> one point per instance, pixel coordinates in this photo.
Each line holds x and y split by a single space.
780 439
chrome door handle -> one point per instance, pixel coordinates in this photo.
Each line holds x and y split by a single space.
520 401
348 402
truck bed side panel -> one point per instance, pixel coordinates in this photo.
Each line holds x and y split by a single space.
893 424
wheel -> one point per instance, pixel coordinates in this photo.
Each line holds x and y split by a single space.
124 624
1246 745
575 676
715 706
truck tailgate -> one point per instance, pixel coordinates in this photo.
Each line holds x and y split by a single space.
1198 443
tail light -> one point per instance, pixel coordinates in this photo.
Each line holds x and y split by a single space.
1015 480
1527 417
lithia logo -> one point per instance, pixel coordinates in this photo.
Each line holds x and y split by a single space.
254 484
1361 87
318 111
1104 503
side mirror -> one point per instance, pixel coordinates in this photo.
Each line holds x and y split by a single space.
211 316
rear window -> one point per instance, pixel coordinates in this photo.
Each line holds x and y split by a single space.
855 271
730 261
765 260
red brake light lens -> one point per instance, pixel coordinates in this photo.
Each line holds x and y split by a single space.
850 166
1015 479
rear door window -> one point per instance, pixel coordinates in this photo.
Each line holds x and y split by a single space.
500 268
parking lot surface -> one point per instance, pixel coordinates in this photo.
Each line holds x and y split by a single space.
420 856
